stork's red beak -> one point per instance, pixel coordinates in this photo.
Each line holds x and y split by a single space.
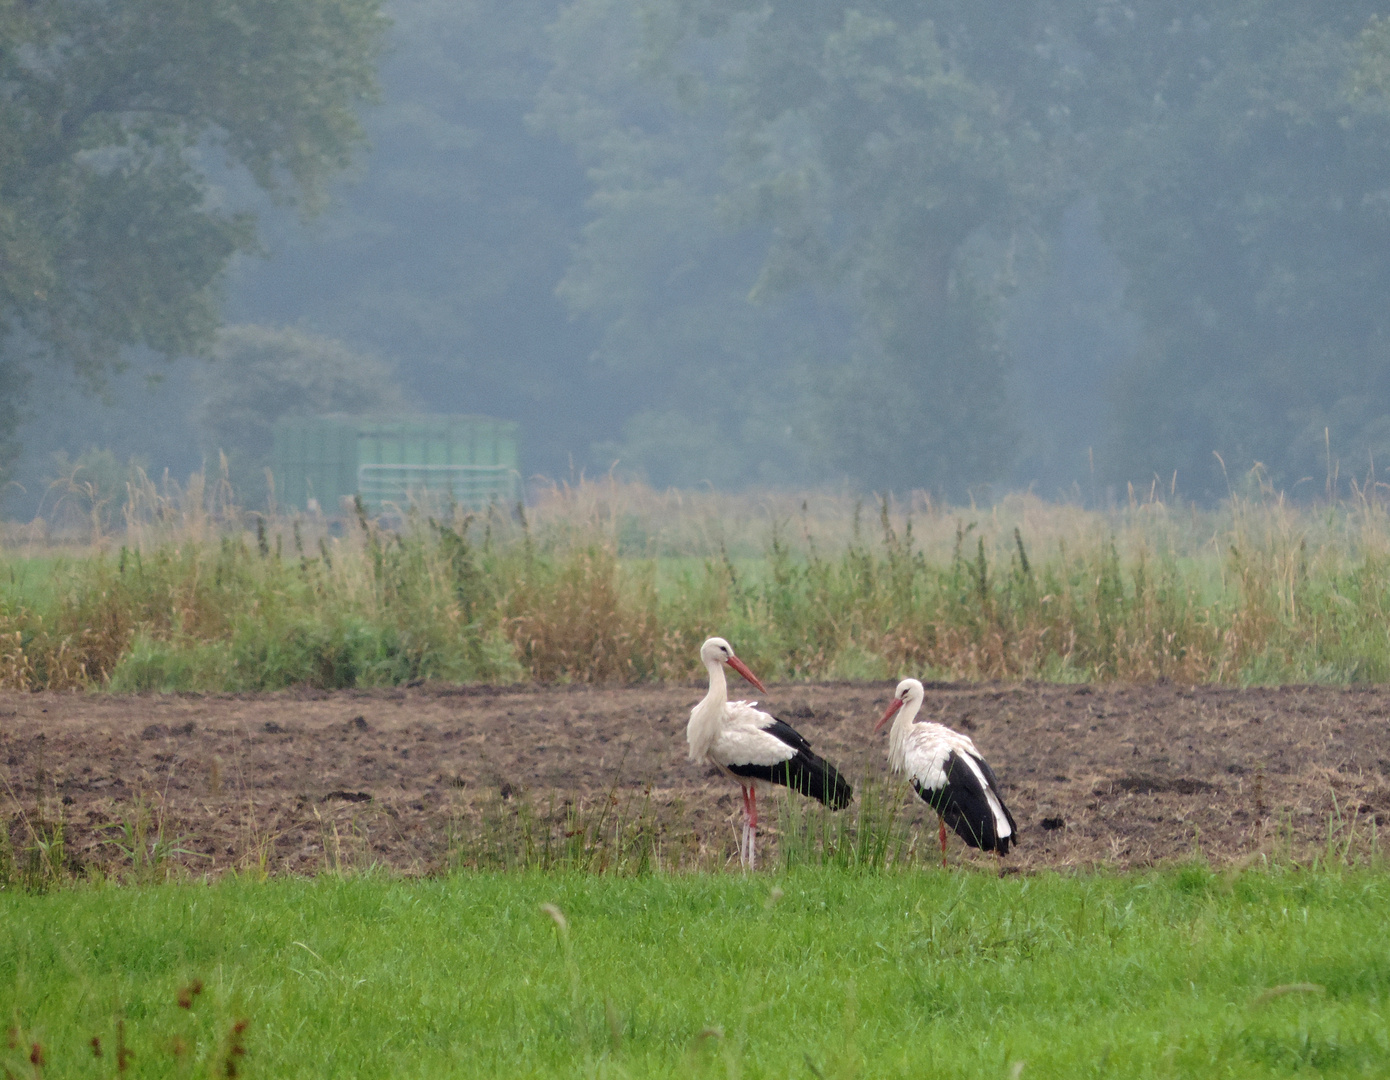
897 704
742 668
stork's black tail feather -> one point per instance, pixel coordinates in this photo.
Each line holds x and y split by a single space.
817 778
806 773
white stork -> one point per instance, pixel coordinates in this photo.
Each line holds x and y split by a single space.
754 748
949 774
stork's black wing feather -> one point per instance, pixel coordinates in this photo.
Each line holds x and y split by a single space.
789 735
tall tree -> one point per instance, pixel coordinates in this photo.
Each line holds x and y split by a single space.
903 153
814 199
113 118
658 272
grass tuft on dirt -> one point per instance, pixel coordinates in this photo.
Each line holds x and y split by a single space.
816 972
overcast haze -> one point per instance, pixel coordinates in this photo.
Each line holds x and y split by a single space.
950 245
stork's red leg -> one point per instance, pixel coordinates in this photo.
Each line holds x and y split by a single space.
750 821
943 842
753 829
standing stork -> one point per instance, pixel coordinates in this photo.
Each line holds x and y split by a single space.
949 774
754 748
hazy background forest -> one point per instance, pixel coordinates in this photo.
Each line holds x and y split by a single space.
949 245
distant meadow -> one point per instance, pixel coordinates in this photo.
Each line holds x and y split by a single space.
613 582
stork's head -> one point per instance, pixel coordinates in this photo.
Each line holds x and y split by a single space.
718 651
909 692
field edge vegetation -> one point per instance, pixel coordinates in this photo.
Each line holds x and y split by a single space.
608 582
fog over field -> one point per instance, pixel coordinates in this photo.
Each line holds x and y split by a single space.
1065 245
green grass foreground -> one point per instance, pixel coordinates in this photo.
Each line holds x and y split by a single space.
812 974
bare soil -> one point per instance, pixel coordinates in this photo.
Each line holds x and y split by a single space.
1120 776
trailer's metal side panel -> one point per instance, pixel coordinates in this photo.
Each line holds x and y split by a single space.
469 460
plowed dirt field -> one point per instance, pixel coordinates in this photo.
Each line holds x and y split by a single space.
298 782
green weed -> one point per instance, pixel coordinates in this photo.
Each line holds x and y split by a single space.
140 837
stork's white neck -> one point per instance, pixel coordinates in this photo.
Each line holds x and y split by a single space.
897 736
707 716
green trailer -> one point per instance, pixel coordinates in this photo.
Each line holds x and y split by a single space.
319 462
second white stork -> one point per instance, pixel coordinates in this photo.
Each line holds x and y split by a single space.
948 773
754 748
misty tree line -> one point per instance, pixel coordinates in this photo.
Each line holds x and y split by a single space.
772 242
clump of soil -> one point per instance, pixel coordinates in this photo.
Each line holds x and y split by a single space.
299 782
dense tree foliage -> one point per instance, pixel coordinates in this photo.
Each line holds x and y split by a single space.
844 198
1240 159
934 244
114 118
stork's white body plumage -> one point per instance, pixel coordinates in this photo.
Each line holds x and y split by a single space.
753 748
719 728
949 774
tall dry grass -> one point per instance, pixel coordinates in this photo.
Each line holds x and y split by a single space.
613 582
